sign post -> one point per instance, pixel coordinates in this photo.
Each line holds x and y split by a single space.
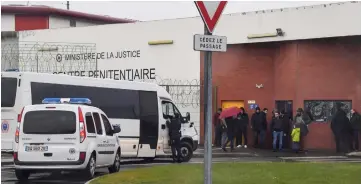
210 12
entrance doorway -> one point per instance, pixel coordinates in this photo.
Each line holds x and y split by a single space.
287 106
233 103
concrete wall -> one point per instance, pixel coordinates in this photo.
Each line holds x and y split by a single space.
7 22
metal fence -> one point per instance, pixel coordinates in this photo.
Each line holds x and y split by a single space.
46 57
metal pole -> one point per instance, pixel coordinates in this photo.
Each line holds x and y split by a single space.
207 114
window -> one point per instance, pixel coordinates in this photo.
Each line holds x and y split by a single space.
89 123
324 110
116 103
98 124
49 122
169 110
8 91
107 126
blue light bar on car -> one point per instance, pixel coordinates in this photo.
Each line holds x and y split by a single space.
66 100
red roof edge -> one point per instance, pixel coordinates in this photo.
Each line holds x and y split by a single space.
45 10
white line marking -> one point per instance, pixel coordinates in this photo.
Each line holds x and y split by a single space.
320 157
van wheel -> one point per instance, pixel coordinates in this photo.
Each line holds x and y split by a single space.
22 175
186 151
116 164
89 171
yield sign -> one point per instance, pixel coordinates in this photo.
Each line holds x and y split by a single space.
210 12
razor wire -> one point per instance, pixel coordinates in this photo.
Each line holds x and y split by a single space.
46 57
183 92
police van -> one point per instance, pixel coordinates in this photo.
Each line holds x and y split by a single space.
140 109
64 134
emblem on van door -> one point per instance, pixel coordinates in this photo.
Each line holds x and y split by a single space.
48 139
71 150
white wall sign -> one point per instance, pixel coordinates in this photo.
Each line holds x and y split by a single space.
210 43
251 101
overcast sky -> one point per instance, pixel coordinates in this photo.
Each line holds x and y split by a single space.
156 10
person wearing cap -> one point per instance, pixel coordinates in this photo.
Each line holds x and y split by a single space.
259 127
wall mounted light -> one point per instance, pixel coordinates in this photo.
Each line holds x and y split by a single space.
160 42
278 32
48 49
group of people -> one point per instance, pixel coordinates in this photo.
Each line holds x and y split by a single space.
346 131
284 128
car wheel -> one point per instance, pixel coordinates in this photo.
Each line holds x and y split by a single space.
186 151
116 164
89 171
22 175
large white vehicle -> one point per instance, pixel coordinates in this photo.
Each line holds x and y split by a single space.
65 135
140 109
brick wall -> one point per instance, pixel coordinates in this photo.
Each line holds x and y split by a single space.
296 70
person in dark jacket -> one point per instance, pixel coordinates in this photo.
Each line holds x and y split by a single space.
259 127
356 129
340 126
230 124
277 131
286 124
242 125
174 126
217 128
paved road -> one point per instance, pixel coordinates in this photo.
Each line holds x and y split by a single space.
8 176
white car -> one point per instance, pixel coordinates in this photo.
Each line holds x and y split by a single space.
65 134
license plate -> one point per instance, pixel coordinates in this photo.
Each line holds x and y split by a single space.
36 148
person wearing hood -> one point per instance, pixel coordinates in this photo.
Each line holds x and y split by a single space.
340 126
259 127
356 129
242 126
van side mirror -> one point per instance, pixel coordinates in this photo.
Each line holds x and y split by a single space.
188 116
116 129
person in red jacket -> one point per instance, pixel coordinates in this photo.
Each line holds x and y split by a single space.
217 128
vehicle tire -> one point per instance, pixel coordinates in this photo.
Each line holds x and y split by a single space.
186 151
89 171
116 164
22 175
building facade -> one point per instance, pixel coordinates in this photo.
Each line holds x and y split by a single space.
283 58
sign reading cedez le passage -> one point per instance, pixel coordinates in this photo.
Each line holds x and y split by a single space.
210 43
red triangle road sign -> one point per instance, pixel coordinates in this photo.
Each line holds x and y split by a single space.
210 12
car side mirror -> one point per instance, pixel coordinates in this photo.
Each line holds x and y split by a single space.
188 116
116 129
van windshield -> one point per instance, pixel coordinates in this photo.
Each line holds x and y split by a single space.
8 91
49 122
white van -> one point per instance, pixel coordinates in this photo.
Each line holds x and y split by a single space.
140 109
56 136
